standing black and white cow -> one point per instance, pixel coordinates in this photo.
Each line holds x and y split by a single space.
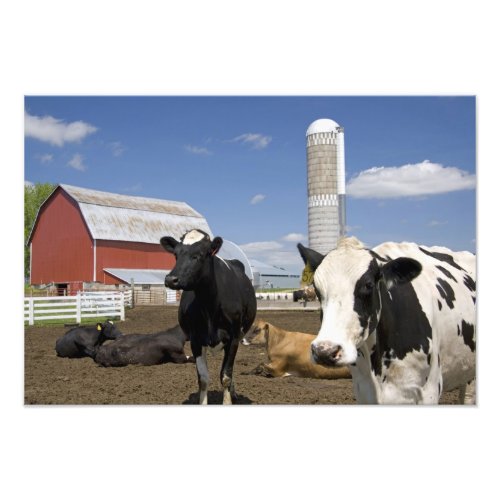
401 316
218 304
83 341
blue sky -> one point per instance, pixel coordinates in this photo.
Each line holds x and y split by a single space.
241 162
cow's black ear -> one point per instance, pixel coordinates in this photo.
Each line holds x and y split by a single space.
169 243
215 245
310 256
400 271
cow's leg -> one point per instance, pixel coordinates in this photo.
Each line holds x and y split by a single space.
226 374
275 369
179 357
467 394
200 356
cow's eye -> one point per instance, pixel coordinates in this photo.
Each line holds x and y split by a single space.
194 257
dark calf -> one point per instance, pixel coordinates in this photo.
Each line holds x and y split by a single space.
306 294
145 349
218 304
83 341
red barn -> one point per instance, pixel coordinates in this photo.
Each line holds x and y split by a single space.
82 235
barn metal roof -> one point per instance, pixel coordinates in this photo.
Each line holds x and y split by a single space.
111 216
140 276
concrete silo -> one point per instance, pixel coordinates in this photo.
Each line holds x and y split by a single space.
325 184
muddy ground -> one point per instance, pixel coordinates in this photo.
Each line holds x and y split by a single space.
53 380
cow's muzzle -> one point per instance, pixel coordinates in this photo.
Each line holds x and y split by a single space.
172 282
326 353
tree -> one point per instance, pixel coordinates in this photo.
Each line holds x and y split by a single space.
34 196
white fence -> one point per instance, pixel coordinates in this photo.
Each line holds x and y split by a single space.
77 307
274 295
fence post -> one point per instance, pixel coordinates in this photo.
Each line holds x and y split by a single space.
78 307
122 306
31 313
132 288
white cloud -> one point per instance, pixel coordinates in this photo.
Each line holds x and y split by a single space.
261 246
257 199
197 150
77 162
55 131
435 223
117 148
274 253
294 237
45 158
420 179
28 184
287 259
134 188
256 141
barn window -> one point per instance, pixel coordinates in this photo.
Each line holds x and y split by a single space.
146 287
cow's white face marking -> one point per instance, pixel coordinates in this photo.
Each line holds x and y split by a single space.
335 279
193 236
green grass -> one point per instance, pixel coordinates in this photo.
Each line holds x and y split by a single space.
70 321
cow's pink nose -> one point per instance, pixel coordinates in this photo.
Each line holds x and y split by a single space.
326 353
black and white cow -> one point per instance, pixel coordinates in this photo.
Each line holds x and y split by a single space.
145 349
83 341
218 304
401 316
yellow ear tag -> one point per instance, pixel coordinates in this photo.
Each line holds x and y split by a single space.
99 328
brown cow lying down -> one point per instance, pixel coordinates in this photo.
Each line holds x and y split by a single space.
145 349
289 353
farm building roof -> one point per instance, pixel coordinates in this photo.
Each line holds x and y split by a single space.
269 270
140 276
230 250
322 125
117 217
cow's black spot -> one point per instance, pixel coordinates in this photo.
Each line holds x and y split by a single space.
446 273
440 305
429 358
467 331
469 283
446 292
443 257
403 326
366 297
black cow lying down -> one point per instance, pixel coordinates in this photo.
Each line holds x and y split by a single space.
83 341
145 349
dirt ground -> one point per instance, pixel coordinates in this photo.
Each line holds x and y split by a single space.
53 380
